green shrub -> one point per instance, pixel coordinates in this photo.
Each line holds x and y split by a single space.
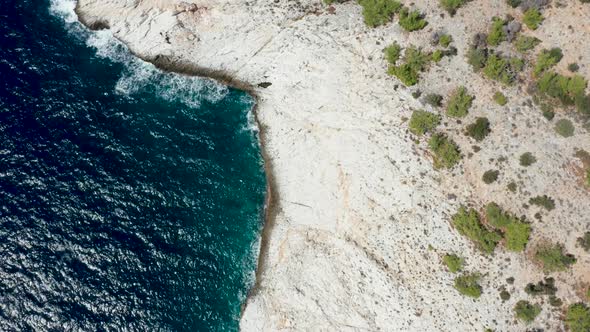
379 12
479 129
517 236
446 152
532 18
512 187
411 20
502 69
568 90
513 3
577 318
468 285
516 231
451 6
543 287
526 43
459 103
393 52
526 311
564 127
490 176
588 177
445 40
477 58
469 225
544 201
496 34
584 241
554 301
415 61
453 262
437 55
422 122
527 159
553 259
547 59
433 99
500 98
573 67
504 295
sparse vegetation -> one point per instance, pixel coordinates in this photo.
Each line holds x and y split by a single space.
543 201
577 318
573 67
526 311
411 20
543 287
451 6
379 12
393 52
503 69
446 152
527 159
453 262
433 99
504 295
532 18
468 224
547 59
468 285
584 241
568 90
500 98
479 129
477 57
553 259
516 231
490 176
422 122
564 127
445 40
525 43
415 61
459 103
512 187
496 34
437 55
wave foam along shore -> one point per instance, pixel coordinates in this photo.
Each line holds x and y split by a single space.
356 203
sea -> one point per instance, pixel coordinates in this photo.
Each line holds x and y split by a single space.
131 199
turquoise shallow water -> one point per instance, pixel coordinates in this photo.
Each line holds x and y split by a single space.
131 199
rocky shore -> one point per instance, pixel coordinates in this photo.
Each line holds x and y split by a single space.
358 219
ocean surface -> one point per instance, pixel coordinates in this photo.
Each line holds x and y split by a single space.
130 199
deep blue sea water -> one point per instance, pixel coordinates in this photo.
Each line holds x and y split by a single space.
130 199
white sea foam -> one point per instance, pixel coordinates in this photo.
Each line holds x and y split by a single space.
139 75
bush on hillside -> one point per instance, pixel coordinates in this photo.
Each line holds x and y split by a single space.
527 159
532 18
453 262
468 285
479 129
451 6
564 128
500 98
525 43
422 122
543 201
379 12
547 59
446 152
459 103
553 259
468 224
415 61
577 318
392 53
411 20
526 311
